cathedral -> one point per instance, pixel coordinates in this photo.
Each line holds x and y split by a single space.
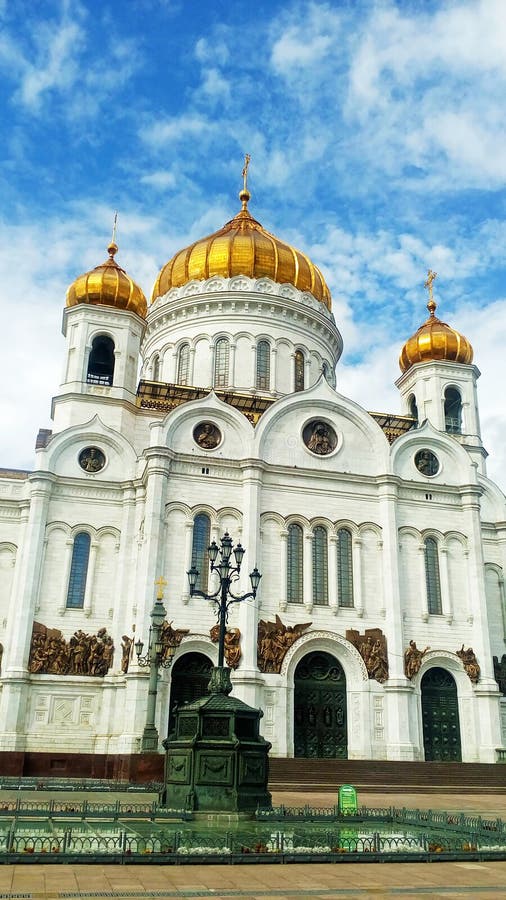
378 629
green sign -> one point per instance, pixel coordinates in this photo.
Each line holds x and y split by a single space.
347 798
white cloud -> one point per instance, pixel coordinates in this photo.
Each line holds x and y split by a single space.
160 180
176 128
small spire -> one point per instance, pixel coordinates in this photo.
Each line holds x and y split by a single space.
113 247
431 305
245 195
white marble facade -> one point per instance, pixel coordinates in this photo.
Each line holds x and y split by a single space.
139 510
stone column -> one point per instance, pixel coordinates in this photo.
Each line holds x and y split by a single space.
283 564
248 680
307 585
398 691
21 614
422 580
333 598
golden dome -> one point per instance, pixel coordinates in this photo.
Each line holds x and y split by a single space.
108 285
243 247
435 340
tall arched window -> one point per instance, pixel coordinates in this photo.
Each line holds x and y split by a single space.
295 565
155 374
101 361
78 570
453 411
320 567
413 408
330 374
200 546
432 577
183 364
263 374
344 567
299 371
221 362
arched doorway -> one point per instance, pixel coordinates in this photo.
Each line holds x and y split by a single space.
320 708
190 678
440 717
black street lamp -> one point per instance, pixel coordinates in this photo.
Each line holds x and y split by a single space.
159 654
219 561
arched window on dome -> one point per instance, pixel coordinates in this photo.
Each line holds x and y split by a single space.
329 373
78 571
432 579
295 565
101 361
320 567
344 567
221 362
263 373
299 371
155 369
200 547
453 411
413 408
183 364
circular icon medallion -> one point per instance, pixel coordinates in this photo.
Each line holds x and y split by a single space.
427 462
206 435
319 437
91 459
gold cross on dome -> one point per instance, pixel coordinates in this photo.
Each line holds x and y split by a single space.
431 277
247 160
160 583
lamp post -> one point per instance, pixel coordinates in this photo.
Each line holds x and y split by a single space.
159 654
220 562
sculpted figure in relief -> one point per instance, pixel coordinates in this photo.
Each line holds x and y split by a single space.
274 639
83 654
126 647
500 672
413 659
470 663
372 647
232 644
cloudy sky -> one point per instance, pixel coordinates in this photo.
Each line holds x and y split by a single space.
377 133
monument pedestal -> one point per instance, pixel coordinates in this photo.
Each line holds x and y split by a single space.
216 759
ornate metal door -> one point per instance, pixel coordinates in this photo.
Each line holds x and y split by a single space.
190 677
320 708
440 716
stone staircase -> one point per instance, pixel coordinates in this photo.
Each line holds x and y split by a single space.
386 776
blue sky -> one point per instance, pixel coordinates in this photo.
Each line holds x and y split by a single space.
378 142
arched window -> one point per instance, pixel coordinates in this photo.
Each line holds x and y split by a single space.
263 375
183 364
329 372
155 376
78 570
200 546
221 362
299 371
432 577
320 567
101 361
413 408
453 411
295 566
344 568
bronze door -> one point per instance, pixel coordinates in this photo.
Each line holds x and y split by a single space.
440 716
190 678
320 708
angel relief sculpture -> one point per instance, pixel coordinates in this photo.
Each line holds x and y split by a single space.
274 639
232 644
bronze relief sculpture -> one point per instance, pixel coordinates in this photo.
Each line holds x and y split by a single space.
372 646
83 654
274 640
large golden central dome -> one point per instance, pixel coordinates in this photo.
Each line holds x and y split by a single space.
243 247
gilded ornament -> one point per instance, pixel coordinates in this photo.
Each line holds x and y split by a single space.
435 340
413 658
108 285
470 663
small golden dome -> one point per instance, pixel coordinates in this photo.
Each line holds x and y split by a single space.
243 247
108 285
435 340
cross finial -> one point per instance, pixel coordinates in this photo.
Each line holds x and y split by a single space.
247 160
160 583
431 277
113 239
